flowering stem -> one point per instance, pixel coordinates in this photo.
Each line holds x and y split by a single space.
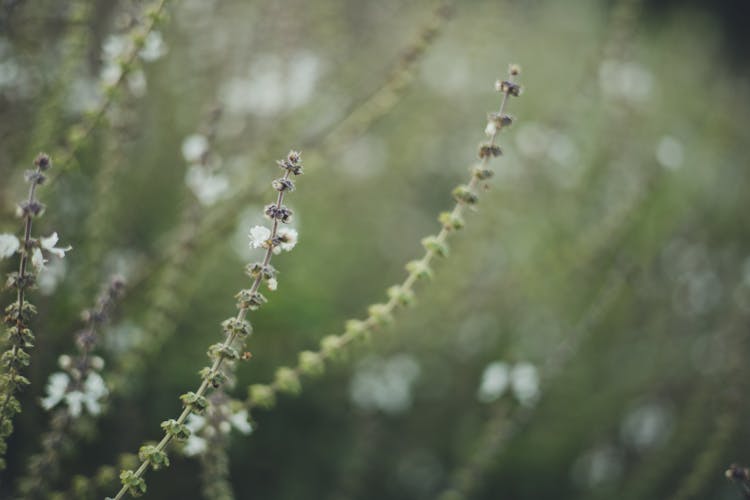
311 362
155 15
44 466
135 479
18 315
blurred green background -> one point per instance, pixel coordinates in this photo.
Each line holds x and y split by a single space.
609 259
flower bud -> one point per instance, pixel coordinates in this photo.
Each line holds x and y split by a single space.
287 380
311 363
262 396
435 245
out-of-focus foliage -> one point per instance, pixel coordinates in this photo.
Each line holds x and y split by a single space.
585 339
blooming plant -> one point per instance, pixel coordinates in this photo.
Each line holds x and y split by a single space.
575 305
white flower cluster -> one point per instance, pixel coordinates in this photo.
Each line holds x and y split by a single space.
117 47
88 396
265 89
9 245
260 238
521 378
207 185
627 81
384 384
200 431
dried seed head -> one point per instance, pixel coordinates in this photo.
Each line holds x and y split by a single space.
500 120
294 156
43 162
483 173
283 184
30 209
489 150
34 177
292 163
508 87
277 212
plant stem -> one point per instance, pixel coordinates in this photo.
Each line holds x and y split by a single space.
219 360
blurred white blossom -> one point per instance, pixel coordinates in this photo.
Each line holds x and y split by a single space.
521 378
273 84
224 421
207 187
669 153
110 73
646 426
600 465
288 237
47 244
195 444
114 46
495 381
194 146
137 83
384 384
9 245
51 277
153 47
88 397
625 80
524 381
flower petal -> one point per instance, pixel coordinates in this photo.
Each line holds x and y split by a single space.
60 252
37 259
49 242
259 236
194 446
74 400
239 421
9 245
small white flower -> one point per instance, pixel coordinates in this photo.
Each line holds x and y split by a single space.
524 380
37 259
490 129
259 235
670 153
74 400
288 238
137 83
97 363
89 397
114 46
194 445
207 187
153 47
110 73
273 284
56 389
65 361
49 243
94 390
193 147
195 422
495 381
239 422
9 245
